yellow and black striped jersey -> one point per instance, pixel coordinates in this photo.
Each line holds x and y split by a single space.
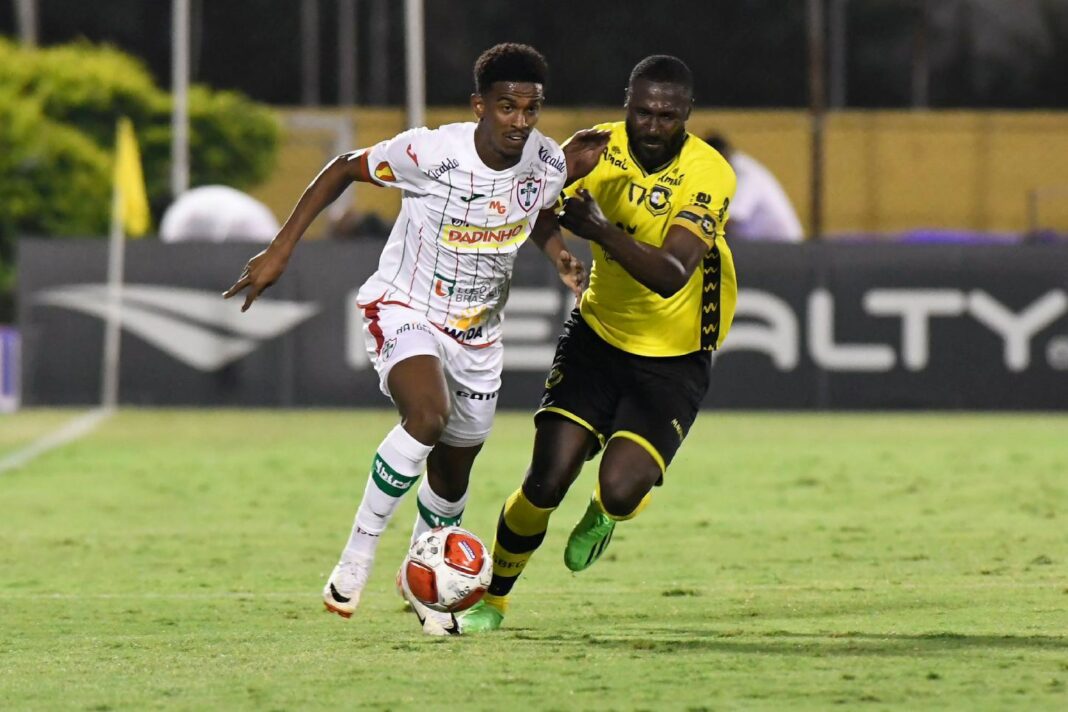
694 190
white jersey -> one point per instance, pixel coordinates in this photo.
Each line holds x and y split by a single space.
451 251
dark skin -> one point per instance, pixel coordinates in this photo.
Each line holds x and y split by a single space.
507 112
656 129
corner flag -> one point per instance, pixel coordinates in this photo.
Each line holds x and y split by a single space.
131 200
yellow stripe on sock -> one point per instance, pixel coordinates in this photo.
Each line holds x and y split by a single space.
498 602
524 518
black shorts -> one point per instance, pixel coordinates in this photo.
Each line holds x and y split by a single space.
648 399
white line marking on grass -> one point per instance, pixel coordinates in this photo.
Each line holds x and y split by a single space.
860 587
69 432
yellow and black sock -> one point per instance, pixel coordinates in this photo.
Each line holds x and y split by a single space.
520 531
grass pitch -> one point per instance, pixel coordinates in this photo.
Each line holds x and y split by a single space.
173 559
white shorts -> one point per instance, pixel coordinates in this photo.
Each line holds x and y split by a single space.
394 332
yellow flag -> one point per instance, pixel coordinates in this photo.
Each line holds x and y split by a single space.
131 199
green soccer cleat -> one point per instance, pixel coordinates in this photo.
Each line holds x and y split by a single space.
588 539
481 618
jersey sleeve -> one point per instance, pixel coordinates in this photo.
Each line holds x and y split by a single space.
706 200
394 162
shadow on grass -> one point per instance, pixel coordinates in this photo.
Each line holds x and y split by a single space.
852 643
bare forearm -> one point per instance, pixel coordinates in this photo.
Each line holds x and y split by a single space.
551 244
546 235
654 268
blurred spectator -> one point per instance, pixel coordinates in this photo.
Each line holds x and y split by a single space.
217 213
356 225
761 210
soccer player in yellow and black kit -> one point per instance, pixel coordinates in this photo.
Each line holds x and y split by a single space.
632 365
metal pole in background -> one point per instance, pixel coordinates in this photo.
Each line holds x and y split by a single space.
838 53
378 44
346 52
309 52
817 108
180 90
920 74
415 64
109 376
26 11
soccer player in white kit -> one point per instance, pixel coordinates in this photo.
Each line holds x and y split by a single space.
432 310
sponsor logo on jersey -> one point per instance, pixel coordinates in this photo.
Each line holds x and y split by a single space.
442 168
418 326
703 199
620 163
411 154
556 162
468 318
473 196
479 292
443 286
384 172
497 207
467 324
672 177
462 334
527 192
469 237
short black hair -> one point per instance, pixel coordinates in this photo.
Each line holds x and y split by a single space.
509 62
663 68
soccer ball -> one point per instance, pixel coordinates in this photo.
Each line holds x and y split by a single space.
447 569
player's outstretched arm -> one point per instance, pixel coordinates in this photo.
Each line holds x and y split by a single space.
547 237
265 268
665 269
582 151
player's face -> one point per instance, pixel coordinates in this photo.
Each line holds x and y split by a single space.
507 113
656 120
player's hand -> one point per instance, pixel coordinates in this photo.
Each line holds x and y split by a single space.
583 150
572 272
261 272
583 216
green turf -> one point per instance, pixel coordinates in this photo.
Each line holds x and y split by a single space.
173 559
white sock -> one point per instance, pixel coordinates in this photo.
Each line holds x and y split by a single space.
435 510
397 465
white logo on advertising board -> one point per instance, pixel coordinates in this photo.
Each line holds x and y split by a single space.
196 327
766 323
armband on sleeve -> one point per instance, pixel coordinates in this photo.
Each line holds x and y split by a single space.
701 221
